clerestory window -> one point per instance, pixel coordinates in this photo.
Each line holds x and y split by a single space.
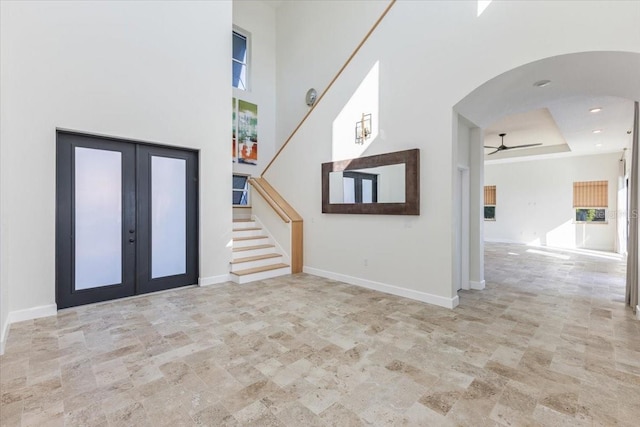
240 60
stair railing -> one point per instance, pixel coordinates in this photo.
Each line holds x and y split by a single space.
324 92
271 196
288 214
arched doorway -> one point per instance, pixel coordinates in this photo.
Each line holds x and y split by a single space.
574 80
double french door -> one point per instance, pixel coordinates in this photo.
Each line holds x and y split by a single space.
126 218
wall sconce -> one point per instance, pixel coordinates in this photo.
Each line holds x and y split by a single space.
363 129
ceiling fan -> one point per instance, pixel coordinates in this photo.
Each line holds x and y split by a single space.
503 147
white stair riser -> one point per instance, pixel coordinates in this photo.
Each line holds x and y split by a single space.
244 224
257 263
247 233
261 276
252 252
251 242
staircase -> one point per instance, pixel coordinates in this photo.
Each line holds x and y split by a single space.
255 257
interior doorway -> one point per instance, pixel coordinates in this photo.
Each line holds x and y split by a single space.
461 272
126 218
549 86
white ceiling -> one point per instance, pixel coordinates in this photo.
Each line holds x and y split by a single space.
565 126
577 124
532 127
558 115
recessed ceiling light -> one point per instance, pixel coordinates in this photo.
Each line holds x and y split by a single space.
542 83
598 145
597 131
595 110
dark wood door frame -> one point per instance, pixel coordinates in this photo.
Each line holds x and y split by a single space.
136 183
144 282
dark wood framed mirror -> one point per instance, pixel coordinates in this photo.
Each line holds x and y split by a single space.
384 184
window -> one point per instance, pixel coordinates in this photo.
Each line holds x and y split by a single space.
590 200
590 215
239 61
490 213
240 190
490 203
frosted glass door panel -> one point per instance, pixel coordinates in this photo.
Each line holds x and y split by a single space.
168 216
98 218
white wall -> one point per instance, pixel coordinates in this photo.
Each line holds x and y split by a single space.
313 40
4 292
461 207
464 139
258 18
151 71
534 202
476 208
429 55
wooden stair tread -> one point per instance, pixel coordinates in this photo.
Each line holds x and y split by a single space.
238 239
248 248
259 269
255 258
247 229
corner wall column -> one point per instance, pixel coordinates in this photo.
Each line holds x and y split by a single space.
476 209
631 293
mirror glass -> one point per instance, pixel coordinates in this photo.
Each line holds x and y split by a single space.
383 184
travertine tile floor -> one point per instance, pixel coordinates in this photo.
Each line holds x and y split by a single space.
549 342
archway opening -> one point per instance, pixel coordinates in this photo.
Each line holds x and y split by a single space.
516 102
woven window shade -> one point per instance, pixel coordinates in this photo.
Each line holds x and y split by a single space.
490 195
590 194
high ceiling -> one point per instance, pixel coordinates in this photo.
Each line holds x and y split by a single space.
558 114
565 126
532 127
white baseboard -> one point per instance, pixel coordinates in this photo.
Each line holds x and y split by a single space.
638 312
478 286
389 289
26 314
32 313
214 280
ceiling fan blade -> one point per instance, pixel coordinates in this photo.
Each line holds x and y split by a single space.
523 146
488 146
493 152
